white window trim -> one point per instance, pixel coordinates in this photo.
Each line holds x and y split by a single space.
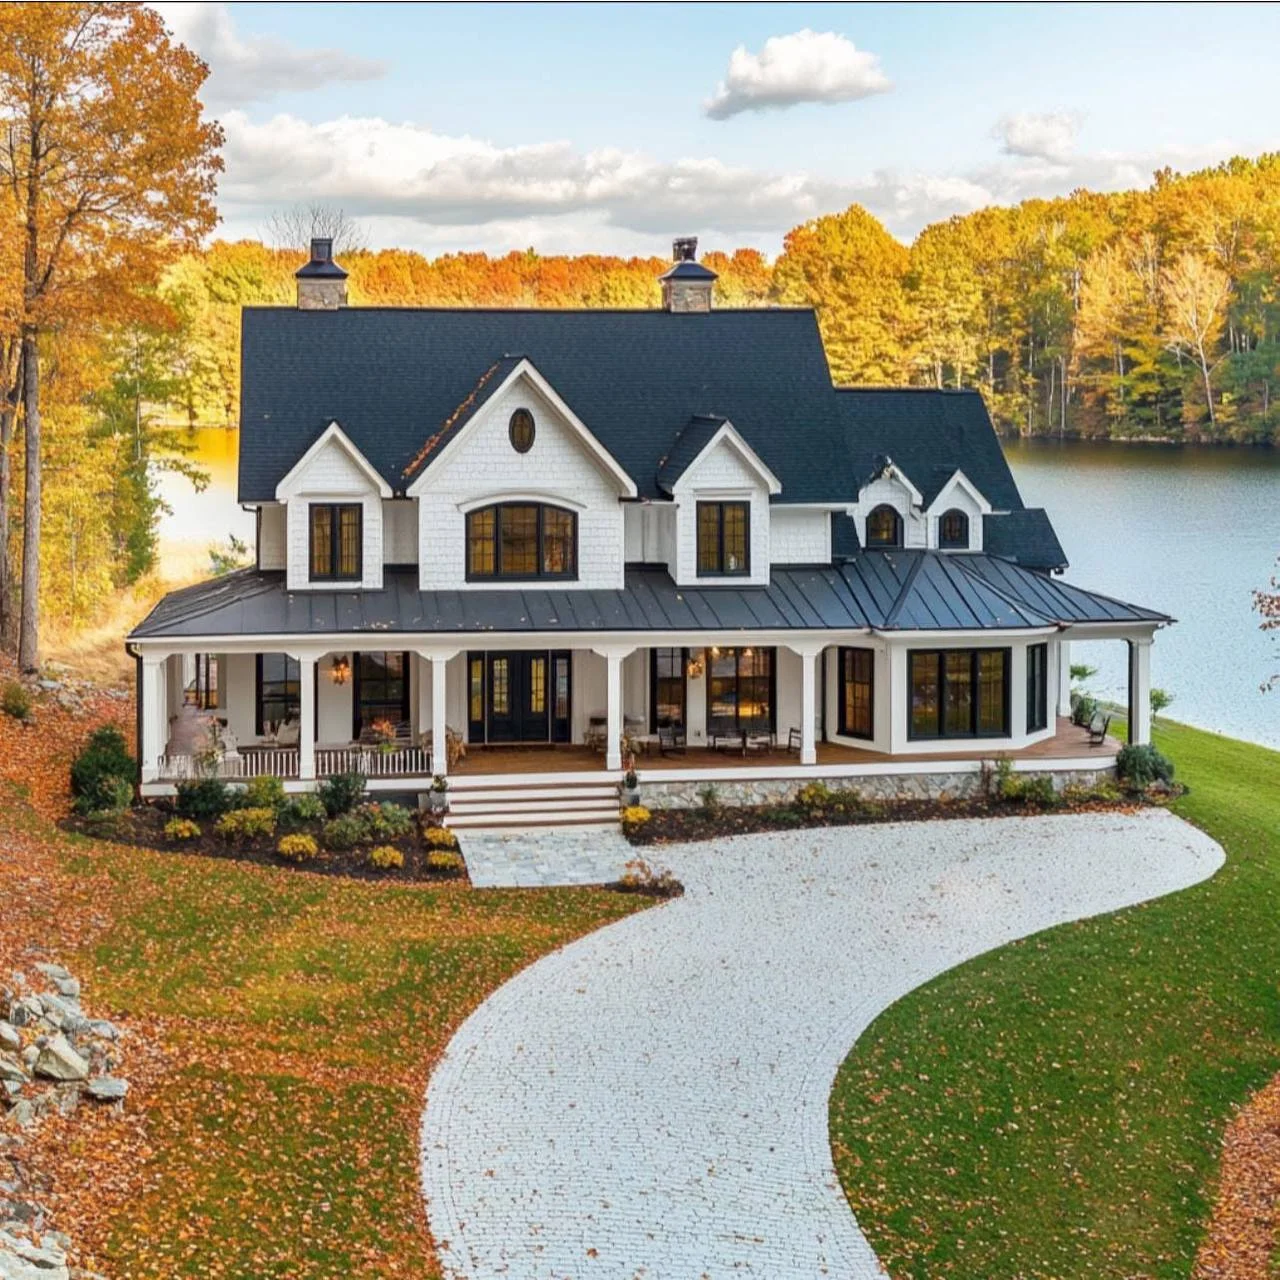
959 480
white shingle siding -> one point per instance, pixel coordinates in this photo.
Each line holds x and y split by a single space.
557 469
890 491
650 532
273 540
721 475
333 476
797 536
399 531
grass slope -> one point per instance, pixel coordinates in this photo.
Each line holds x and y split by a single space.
299 1017
1055 1108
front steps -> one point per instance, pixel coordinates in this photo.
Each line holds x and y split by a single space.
544 803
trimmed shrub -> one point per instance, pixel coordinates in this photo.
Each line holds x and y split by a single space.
1141 765
345 832
635 815
264 793
815 795
445 862
440 838
242 825
15 701
105 755
297 847
341 793
203 798
106 794
386 857
1083 708
386 821
180 830
298 810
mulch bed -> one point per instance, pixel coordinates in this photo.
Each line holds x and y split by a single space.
144 827
668 826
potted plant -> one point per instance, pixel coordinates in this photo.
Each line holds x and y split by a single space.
629 787
383 733
438 796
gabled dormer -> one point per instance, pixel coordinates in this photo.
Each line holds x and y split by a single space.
889 510
955 516
514 488
333 502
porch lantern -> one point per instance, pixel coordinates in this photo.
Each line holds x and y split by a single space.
695 667
340 672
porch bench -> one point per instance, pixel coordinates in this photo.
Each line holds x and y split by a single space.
1098 728
671 740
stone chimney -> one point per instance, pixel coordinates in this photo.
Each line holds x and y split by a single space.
322 284
688 286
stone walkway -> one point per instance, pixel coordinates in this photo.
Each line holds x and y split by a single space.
544 859
652 1099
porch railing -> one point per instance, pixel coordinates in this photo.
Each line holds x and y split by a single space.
284 762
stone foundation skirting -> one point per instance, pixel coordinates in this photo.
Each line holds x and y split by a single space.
885 786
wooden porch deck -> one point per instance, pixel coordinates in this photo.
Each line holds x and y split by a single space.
1070 742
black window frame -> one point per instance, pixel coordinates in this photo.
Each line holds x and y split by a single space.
720 505
683 677
898 528
939 656
359 679
953 544
845 655
1037 687
739 653
541 574
335 510
261 680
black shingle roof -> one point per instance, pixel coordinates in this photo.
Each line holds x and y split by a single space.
1026 536
694 436
886 590
393 377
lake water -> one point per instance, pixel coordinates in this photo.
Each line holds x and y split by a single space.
1189 532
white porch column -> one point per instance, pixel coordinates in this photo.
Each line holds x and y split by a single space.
1064 677
808 655
307 716
613 685
1140 690
153 722
439 729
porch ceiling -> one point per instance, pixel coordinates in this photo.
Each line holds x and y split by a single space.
879 590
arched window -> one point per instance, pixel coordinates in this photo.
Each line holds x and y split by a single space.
884 527
953 530
522 540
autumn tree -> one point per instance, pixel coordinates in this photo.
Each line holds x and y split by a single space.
111 170
1196 293
293 229
853 273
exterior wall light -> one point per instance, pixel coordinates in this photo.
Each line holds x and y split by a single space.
340 672
695 667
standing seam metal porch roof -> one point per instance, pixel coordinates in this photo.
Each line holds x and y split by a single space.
880 590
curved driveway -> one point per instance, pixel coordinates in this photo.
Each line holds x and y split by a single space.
651 1101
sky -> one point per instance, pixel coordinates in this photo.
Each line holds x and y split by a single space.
613 128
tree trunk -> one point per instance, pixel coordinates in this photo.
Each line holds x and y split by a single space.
29 628
11 390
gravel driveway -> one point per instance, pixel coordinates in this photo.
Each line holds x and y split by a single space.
652 1099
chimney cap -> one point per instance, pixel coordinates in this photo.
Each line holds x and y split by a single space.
321 266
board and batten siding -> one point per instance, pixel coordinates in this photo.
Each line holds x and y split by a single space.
557 469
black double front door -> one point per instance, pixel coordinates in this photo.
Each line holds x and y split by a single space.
519 696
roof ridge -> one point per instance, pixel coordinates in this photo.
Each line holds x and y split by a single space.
899 603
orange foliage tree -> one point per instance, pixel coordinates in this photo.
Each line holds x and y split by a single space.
111 172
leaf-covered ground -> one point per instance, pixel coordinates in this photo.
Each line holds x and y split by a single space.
286 1027
1056 1108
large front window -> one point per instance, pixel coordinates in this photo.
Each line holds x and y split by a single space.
335 540
522 540
959 693
381 690
667 680
279 692
1037 687
857 693
740 690
724 538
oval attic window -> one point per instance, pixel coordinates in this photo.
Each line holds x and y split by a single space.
521 431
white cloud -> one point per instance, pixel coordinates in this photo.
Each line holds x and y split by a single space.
1039 135
244 69
806 66
417 188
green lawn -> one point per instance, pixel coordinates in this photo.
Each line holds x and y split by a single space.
299 1016
1055 1108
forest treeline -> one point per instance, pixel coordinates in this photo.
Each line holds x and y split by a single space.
1138 314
